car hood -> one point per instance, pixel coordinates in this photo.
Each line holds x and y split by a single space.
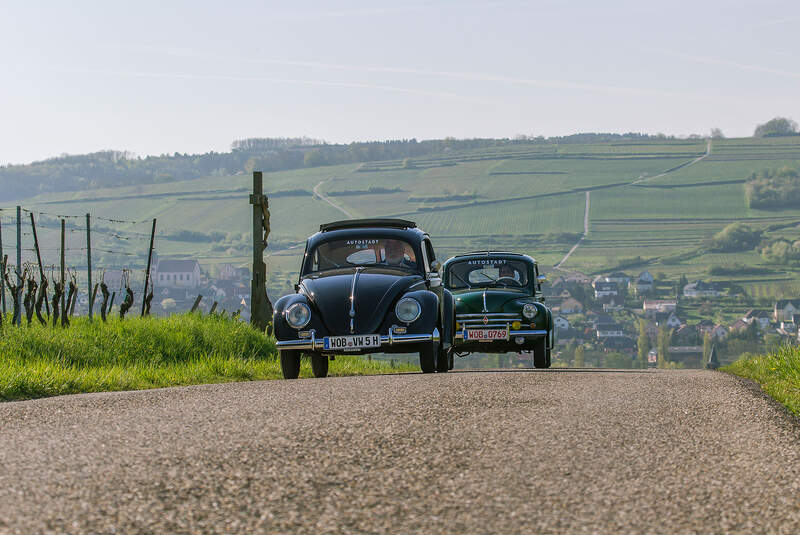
471 301
374 294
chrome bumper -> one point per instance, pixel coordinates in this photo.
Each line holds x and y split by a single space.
511 334
318 344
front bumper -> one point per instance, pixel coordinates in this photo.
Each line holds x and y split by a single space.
511 335
317 344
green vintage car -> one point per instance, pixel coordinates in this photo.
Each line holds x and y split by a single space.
499 307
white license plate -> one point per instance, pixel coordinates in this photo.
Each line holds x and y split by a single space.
486 334
345 343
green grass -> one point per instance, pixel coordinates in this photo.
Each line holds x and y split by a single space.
145 353
777 372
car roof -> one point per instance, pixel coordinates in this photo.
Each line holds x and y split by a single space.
355 228
367 223
496 254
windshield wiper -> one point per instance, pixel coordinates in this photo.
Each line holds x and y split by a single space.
456 275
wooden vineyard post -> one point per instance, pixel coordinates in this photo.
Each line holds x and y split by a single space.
88 263
149 262
260 306
3 268
19 260
63 278
39 257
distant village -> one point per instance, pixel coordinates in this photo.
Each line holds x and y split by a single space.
611 313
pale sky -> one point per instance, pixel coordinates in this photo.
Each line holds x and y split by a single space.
157 77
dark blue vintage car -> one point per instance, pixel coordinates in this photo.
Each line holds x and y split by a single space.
366 286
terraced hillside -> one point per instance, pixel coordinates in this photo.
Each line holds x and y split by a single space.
652 201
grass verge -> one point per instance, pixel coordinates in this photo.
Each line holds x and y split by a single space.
777 372
136 354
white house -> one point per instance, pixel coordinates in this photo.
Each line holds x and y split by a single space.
785 309
561 323
605 289
763 318
643 283
655 306
605 330
177 274
701 289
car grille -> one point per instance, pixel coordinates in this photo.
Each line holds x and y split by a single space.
493 320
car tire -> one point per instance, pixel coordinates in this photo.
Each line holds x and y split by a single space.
427 358
541 355
442 360
319 365
290 363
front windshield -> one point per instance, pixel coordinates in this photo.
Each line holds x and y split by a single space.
345 253
487 272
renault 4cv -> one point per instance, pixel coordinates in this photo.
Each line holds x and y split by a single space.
499 306
366 286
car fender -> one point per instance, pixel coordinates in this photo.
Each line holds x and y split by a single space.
428 319
282 330
448 319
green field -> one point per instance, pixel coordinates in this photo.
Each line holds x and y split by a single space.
146 353
651 199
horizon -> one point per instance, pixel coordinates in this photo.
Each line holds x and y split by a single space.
189 77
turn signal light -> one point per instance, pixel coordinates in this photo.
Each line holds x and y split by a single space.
533 325
516 325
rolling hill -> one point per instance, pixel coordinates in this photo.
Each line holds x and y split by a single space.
654 204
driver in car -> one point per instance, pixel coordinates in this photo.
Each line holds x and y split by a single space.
396 256
508 272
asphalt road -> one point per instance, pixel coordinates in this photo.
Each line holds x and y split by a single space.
491 452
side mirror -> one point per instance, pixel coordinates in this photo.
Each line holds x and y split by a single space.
435 265
541 279
434 280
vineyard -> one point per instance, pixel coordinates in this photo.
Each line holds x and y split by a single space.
657 200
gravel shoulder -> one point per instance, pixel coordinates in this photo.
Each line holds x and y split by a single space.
477 452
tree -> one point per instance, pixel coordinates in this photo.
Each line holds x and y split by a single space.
735 237
643 343
314 158
707 343
579 357
716 133
663 343
779 126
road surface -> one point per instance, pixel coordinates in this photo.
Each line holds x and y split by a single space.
489 452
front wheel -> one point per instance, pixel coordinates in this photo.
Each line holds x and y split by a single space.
290 363
319 365
541 355
427 358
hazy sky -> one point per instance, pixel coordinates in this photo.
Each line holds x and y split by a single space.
164 76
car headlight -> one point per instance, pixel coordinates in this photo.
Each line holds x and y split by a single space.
298 315
407 310
529 311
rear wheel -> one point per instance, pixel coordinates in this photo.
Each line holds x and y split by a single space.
541 355
290 363
319 365
427 358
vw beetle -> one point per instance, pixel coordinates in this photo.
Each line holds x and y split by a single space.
498 305
366 286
